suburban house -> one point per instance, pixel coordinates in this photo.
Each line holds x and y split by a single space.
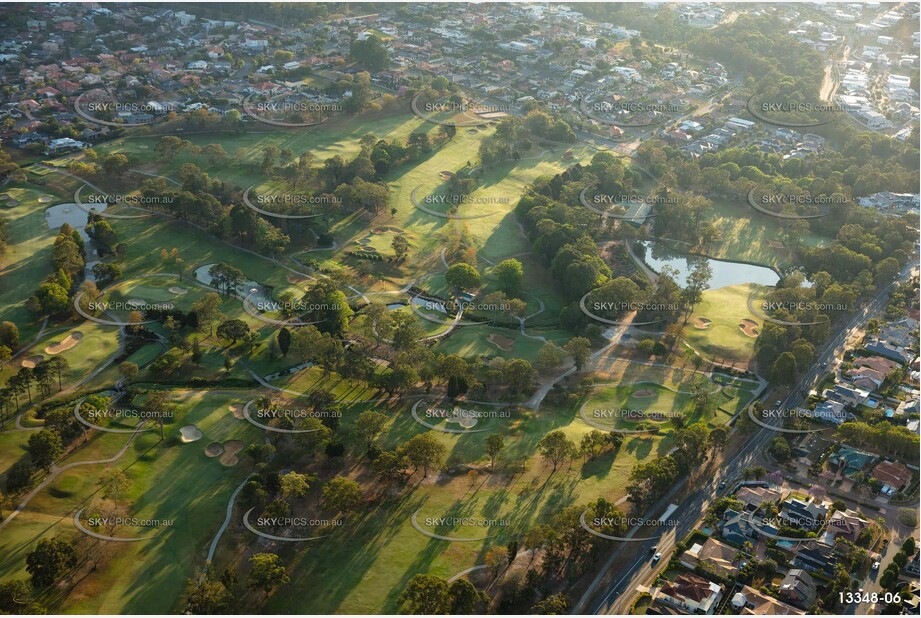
691 593
754 497
891 473
713 555
736 527
848 524
798 588
751 602
803 515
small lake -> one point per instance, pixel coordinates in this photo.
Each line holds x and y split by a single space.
725 273
260 296
56 216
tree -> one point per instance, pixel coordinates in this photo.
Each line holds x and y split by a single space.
50 559
550 356
497 559
494 445
128 370
370 424
206 595
556 447
44 449
207 308
909 546
341 495
465 598
16 598
400 246
293 486
780 449
463 276
556 605
9 335
232 330
784 369
266 572
284 341
579 348
509 275
424 451
113 482
697 281
425 594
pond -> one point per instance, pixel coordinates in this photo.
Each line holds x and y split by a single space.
260 296
56 216
725 273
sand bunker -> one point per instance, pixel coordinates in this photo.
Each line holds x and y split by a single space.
446 175
71 340
749 327
44 199
702 323
231 448
643 394
12 202
473 130
190 433
215 449
237 409
4 197
177 290
32 361
501 341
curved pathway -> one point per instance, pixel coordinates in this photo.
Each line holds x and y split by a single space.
56 470
217 537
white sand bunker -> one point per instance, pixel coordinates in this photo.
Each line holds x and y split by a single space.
177 290
72 339
231 448
44 199
237 409
467 421
190 433
215 449
32 361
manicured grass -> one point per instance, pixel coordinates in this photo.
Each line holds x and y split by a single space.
472 341
147 575
723 339
366 565
27 260
749 236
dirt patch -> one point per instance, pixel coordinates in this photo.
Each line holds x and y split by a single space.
643 393
749 327
32 361
237 409
473 130
231 448
177 290
190 433
775 244
72 339
215 449
446 175
501 341
296 279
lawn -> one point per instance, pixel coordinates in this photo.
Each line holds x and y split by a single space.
722 340
27 260
749 236
146 576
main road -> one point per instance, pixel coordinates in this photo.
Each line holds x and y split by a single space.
641 571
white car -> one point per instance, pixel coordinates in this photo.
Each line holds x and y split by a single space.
875 566
657 557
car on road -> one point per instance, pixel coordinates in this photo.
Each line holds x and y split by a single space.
778 402
653 549
656 558
722 484
875 566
